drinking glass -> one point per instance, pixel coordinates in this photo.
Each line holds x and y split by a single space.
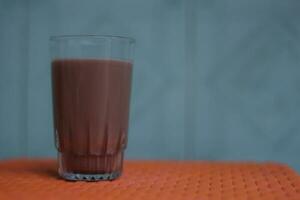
91 83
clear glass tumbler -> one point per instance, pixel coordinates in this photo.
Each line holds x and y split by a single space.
91 83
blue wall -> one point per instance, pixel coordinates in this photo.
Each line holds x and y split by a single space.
212 79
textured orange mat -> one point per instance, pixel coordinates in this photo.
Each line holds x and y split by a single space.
37 179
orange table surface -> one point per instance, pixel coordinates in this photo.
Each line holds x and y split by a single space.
38 179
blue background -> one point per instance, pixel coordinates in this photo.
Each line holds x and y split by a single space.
212 79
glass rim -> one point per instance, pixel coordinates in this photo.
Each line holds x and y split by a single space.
84 36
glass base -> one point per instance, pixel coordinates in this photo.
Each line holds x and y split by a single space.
88 167
90 177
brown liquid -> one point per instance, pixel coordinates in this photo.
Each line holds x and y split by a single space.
91 109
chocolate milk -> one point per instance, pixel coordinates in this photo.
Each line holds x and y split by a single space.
91 110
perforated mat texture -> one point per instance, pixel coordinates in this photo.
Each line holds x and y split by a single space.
145 180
